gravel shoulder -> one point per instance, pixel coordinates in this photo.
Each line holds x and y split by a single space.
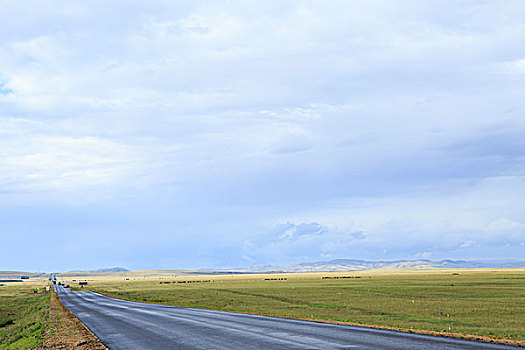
64 331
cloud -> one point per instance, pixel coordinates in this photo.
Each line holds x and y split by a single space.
517 66
291 242
456 222
295 242
365 128
467 244
423 255
58 163
505 225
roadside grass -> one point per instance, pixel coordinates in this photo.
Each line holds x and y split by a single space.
484 303
22 315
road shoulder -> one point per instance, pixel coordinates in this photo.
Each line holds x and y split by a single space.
64 331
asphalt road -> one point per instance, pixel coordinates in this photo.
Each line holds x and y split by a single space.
122 324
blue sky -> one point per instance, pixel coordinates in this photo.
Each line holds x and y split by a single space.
232 133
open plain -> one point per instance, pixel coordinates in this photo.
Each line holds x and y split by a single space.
129 325
22 312
478 304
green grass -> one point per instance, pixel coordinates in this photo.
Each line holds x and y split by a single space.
480 303
22 316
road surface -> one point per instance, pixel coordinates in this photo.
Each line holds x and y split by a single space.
122 324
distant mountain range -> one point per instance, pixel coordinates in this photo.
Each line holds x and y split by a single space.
111 269
352 264
339 265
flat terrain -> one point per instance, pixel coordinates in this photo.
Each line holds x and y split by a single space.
129 325
481 302
22 314
38 321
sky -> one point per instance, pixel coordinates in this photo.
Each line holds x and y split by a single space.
220 134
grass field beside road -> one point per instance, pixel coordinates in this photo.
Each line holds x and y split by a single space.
485 303
22 315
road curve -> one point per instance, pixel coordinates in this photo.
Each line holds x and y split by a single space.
122 324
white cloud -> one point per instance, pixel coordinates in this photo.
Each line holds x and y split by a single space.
467 244
396 121
516 66
506 225
423 255
442 223
61 162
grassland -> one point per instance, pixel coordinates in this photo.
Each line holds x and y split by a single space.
22 315
478 302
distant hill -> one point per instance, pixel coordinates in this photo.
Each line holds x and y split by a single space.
111 269
352 264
